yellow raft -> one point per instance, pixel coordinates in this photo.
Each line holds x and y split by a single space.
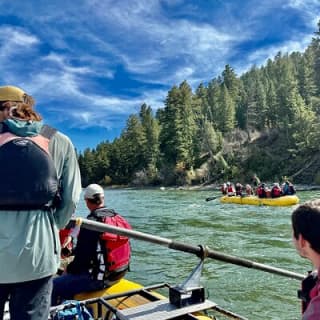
253 200
129 300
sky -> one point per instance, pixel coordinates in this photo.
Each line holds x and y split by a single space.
91 63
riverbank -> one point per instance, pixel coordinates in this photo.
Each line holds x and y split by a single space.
207 187
216 187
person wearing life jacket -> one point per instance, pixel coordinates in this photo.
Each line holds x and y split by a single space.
261 191
230 189
40 187
305 221
249 191
288 188
100 259
224 189
276 191
238 189
255 183
67 236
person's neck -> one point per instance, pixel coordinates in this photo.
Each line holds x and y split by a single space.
315 259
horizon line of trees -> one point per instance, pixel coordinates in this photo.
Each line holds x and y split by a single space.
185 142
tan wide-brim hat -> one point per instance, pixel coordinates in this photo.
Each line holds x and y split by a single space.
11 93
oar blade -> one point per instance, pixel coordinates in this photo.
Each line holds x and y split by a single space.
211 198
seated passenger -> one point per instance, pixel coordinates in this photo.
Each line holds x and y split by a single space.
224 189
239 188
261 191
288 188
276 191
101 259
68 236
248 190
268 192
292 189
230 189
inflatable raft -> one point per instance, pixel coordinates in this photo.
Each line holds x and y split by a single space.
253 200
128 300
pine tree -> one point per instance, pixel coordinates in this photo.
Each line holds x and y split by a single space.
168 127
134 141
231 82
226 113
151 131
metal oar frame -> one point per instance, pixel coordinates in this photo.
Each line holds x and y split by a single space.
106 311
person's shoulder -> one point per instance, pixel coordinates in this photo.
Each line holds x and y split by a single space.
61 138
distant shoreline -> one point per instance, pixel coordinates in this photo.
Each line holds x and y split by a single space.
211 187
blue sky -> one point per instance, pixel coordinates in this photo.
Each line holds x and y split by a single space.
91 63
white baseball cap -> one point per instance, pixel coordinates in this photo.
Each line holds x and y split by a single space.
92 190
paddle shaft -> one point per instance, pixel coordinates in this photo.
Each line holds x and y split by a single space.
197 250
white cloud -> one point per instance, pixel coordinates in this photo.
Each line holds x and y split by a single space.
259 57
15 40
308 8
60 61
86 44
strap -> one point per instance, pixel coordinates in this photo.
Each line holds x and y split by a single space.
2 127
47 131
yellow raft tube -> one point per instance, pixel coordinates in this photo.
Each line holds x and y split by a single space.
253 200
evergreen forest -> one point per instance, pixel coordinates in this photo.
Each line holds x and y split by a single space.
266 121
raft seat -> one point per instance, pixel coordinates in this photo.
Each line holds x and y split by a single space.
133 301
122 286
162 310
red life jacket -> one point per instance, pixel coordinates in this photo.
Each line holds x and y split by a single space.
230 188
117 246
276 192
260 192
114 250
63 235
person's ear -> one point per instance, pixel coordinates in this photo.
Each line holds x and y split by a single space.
302 241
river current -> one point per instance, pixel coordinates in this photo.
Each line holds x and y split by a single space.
261 234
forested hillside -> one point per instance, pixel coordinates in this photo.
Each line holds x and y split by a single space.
265 121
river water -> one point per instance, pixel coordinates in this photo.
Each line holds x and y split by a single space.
260 234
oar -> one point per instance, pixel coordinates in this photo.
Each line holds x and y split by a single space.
211 198
197 250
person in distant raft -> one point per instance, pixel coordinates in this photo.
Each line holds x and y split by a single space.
306 238
101 259
255 182
40 186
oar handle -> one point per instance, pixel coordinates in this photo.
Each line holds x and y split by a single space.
200 251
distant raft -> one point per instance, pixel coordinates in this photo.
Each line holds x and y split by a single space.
253 200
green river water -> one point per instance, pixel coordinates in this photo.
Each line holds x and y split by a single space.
261 234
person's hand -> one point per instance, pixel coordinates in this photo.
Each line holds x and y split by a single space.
65 252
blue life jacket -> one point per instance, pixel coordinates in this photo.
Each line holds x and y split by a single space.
28 176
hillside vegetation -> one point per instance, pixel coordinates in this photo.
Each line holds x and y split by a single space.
266 121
